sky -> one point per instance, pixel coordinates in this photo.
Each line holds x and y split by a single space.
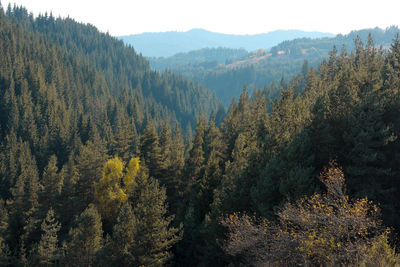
124 17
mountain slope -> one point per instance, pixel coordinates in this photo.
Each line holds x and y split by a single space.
63 79
164 44
260 68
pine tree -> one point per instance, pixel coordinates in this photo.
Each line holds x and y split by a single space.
120 250
124 140
24 221
85 239
5 253
165 143
154 235
167 171
3 220
391 71
89 164
9 163
52 182
48 249
150 150
194 165
176 169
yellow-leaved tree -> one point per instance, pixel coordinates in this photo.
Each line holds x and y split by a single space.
114 187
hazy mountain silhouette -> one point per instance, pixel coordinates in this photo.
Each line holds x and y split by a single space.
165 44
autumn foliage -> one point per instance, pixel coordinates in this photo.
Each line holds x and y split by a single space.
324 229
112 191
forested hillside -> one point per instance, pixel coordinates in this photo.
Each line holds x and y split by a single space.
166 44
69 97
96 171
206 58
338 122
261 68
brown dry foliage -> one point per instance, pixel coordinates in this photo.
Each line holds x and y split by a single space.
321 230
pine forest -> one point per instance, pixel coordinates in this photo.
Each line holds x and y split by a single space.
106 162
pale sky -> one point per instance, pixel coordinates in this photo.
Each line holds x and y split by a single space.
123 17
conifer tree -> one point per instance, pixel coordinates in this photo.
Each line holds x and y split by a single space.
5 253
119 250
9 163
176 169
24 221
124 140
391 72
52 182
89 164
48 249
154 235
194 164
150 150
165 143
3 220
143 235
85 239
167 170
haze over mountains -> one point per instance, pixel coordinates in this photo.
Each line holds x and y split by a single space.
225 70
164 44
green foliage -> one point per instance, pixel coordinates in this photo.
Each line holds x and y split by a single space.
150 150
52 183
120 249
206 57
226 71
154 235
85 239
142 234
89 165
76 105
48 250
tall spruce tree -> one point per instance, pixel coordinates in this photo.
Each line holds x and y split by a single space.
154 233
52 183
48 248
150 150
85 239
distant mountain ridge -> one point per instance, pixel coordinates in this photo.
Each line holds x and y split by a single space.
225 70
164 44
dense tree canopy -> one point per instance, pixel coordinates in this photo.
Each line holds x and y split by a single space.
95 169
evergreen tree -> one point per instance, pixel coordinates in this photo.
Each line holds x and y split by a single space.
3 221
24 221
168 172
5 253
194 165
52 182
89 165
143 234
175 170
124 142
48 249
150 150
165 143
119 250
85 239
154 235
